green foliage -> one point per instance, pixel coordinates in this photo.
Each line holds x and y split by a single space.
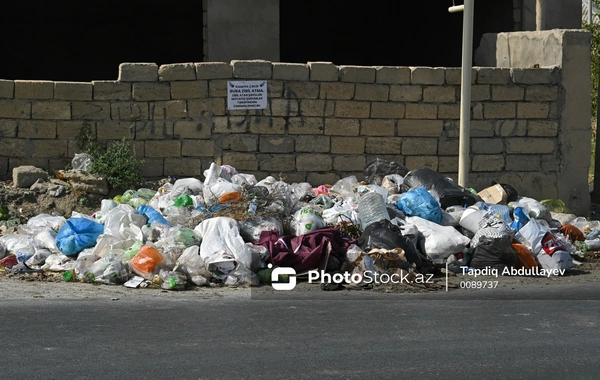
116 163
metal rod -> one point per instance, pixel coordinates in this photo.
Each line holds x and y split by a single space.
540 17
590 12
465 95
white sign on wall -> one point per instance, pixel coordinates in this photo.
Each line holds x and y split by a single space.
247 95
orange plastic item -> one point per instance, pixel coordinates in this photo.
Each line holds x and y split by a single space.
525 258
230 197
572 233
145 261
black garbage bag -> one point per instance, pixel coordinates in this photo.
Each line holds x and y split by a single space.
386 235
495 253
446 192
378 168
511 192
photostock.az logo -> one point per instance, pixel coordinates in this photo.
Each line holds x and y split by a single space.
291 272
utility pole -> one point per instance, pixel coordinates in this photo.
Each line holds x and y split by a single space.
540 16
464 149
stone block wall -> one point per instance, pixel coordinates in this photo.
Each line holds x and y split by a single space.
323 121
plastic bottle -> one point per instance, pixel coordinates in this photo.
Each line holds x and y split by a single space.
371 209
253 206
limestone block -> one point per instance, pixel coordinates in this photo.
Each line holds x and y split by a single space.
349 163
449 111
317 107
507 93
126 111
499 110
352 109
487 163
51 110
276 144
267 125
305 125
541 93
317 144
111 90
164 148
34 89
347 145
291 71
241 161
530 145
12 147
374 92
493 75
392 75
183 167
177 72
383 145
8 128
197 148
536 76
111 130
15 109
421 111
25 176
357 74
454 75
342 91
377 127
154 130
203 108
439 94
7 89
417 146
173 109
323 71
73 90
408 93
424 128
192 129
314 162
48 148
90 110
252 69
37 129
533 110
195 89
151 91
523 163
542 128
301 90
427 75
342 127
276 163
138 72
487 146
417 162
242 143
213 70
511 128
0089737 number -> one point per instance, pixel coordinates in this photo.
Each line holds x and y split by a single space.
478 284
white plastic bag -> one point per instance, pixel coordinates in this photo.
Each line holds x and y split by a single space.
533 208
119 218
192 265
439 242
306 220
189 186
244 180
342 211
393 183
214 193
45 220
344 188
559 260
46 239
81 162
531 235
221 241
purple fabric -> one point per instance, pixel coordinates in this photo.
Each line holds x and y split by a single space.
302 252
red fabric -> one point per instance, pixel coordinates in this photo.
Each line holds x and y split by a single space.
302 252
9 261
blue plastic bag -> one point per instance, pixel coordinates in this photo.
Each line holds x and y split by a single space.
78 234
152 215
418 202
502 212
520 218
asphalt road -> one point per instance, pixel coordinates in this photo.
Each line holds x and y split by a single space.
349 335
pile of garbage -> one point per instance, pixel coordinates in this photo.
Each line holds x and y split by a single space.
233 230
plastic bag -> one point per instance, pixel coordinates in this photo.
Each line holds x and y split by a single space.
532 235
46 239
47 221
145 262
244 180
322 200
439 242
446 192
393 183
81 161
117 222
534 209
221 191
38 258
306 220
183 200
520 219
152 215
58 263
344 188
189 186
172 280
78 234
560 260
563 218
342 212
418 202
555 205
377 169
385 235
584 225
192 265
496 253
251 229
241 277
221 241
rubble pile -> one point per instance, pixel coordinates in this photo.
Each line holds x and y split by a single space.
232 230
